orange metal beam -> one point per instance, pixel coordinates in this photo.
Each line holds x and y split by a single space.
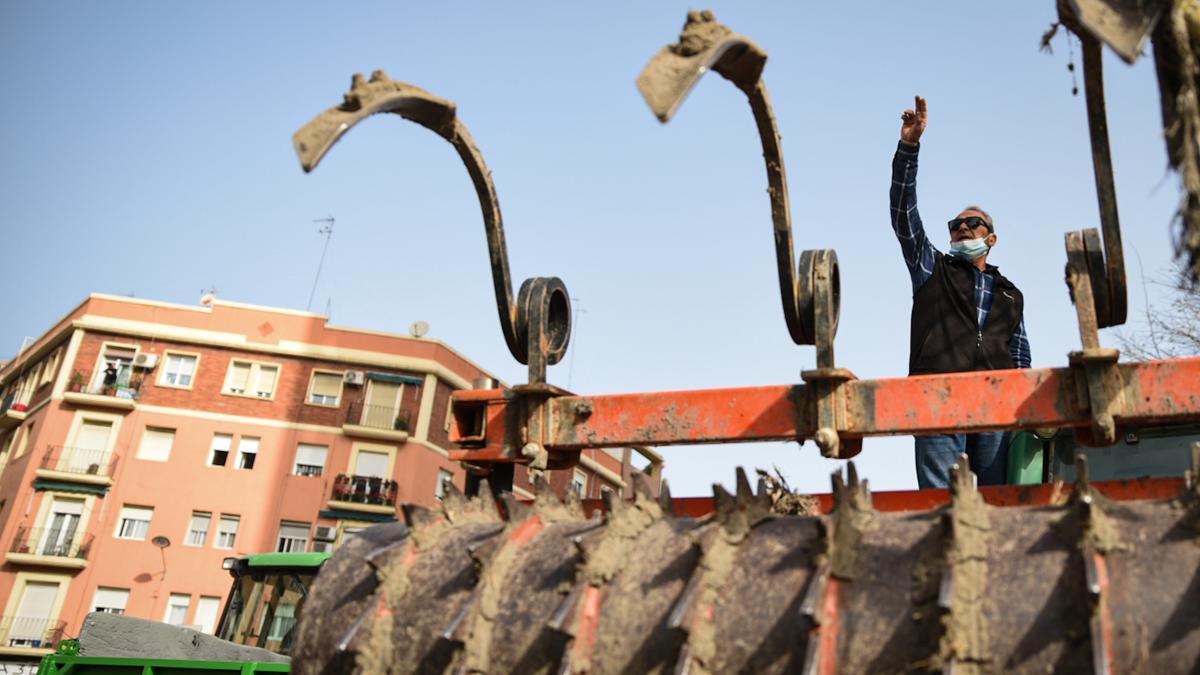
995 495
1159 392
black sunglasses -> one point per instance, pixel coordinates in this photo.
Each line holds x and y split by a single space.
971 221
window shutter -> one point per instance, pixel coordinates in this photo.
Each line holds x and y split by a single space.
266 379
326 384
156 444
93 435
311 455
239 376
371 464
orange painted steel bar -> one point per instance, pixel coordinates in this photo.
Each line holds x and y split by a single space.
1159 392
1044 494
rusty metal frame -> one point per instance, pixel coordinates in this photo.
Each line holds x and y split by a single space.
1160 392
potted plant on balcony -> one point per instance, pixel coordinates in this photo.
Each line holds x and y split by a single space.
76 383
401 422
19 407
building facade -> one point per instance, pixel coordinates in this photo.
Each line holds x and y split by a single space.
142 442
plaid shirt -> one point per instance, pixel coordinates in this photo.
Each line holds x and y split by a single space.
919 253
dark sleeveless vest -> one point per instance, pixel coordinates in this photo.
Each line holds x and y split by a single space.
945 335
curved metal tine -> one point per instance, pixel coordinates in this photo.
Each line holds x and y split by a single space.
383 95
666 81
1113 311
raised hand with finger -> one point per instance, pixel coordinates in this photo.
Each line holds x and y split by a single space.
914 122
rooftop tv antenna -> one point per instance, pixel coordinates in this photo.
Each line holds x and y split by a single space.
418 329
327 230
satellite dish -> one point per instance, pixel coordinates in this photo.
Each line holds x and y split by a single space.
161 541
418 329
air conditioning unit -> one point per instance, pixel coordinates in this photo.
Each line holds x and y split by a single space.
322 546
144 360
325 533
354 377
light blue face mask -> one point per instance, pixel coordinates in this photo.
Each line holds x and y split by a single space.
969 248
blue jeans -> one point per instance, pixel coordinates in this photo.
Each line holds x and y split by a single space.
987 452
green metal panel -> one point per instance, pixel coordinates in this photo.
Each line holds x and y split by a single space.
341 514
64 664
1025 459
66 486
287 559
386 377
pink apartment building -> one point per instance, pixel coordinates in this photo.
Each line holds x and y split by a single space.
142 442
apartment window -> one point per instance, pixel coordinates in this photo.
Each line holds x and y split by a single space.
293 537
198 528
247 452
31 625
110 600
310 459
250 378
382 407
51 366
370 463
219 454
58 537
88 449
282 622
120 358
24 442
156 444
178 370
227 532
444 477
579 483
206 613
325 389
134 522
177 609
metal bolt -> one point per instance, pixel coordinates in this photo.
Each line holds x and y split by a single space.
827 441
584 408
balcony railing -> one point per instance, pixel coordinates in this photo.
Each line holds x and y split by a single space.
115 390
365 490
10 403
381 417
309 469
82 461
34 632
52 543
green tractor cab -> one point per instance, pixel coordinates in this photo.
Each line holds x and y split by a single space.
268 591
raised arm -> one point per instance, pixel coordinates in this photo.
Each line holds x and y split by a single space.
906 221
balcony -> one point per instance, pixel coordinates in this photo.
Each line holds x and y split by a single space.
380 422
368 494
119 396
77 465
50 547
11 412
23 635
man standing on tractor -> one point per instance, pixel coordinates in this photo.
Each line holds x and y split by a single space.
966 316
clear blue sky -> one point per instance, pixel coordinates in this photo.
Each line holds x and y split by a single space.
147 151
